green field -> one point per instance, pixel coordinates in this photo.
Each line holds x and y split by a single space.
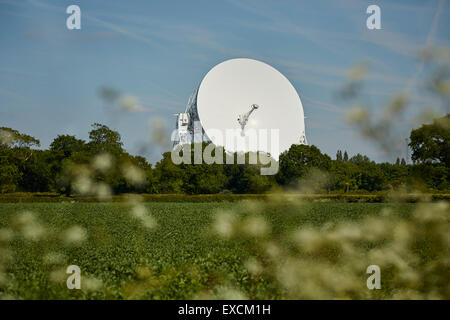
247 249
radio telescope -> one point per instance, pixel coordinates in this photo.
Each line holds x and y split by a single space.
245 96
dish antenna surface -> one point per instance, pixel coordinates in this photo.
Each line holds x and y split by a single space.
246 96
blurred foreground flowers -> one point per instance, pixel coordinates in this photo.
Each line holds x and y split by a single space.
330 261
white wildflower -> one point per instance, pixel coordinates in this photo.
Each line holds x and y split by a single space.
75 235
224 224
102 162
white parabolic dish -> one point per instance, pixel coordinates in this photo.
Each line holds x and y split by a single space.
233 86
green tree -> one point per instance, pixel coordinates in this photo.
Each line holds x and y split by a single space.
344 176
67 144
16 157
359 158
103 139
430 176
339 155
394 175
431 142
11 138
296 163
36 173
345 156
9 177
203 178
370 176
168 175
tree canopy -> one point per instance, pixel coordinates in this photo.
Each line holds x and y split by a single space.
431 142
101 166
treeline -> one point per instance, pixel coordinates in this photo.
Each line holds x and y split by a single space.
101 166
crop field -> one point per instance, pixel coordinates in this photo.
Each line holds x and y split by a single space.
228 250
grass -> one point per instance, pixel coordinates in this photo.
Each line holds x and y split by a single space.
175 250
19 197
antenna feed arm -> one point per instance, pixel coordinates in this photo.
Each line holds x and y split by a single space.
243 118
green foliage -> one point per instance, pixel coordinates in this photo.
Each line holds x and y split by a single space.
345 158
258 250
395 175
36 172
359 158
9 177
431 142
18 161
298 161
430 176
344 176
169 176
247 179
66 145
14 139
103 139
102 167
203 178
339 155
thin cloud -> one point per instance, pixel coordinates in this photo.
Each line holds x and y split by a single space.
114 27
395 42
92 36
341 72
323 105
124 31
428 43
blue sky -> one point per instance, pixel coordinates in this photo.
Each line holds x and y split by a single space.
158 51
